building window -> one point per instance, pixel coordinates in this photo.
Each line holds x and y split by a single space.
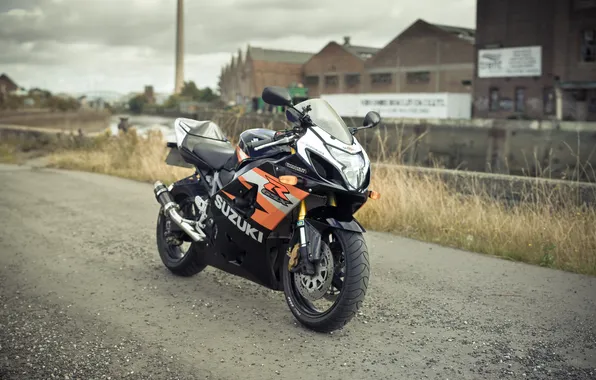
520 99
493 100
381 78
331 80
352 80
588 45
549 101
312 80
418 77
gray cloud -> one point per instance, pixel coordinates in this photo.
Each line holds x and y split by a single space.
76 33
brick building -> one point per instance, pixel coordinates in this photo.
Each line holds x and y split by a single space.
425 57
337 69
242 81
536 59
7 85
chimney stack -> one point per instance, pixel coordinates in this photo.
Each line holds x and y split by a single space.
179 48
346 41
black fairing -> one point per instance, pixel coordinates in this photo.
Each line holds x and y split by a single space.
258 255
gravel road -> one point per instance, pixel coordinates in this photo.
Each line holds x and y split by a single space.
83 295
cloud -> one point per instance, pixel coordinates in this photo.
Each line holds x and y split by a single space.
136 38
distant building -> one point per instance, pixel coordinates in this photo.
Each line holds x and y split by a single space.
7 85
536 59
423 58
242 81
337 69
149 94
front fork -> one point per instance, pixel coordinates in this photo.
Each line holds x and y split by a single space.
310 240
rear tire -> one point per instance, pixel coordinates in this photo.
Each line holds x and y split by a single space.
187 265
355 284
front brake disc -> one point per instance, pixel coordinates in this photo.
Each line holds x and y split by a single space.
316 286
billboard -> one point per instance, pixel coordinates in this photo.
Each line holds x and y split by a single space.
403 105
510 62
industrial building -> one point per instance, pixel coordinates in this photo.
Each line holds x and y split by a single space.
424 58
535 59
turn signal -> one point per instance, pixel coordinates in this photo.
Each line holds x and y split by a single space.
288 180
374 195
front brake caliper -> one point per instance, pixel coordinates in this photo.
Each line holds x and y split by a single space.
293 254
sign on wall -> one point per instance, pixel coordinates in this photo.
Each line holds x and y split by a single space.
402 105
510 62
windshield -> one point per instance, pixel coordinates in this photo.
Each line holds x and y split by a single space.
325 117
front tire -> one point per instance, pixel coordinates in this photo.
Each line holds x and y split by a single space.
352 293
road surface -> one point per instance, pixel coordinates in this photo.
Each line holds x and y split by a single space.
83 295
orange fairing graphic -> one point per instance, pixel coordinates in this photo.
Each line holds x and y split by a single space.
228 195
240 154
269 218
277 188
275 198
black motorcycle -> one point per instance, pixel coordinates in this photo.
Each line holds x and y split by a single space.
276 210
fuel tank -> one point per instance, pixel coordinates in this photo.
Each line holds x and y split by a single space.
257 134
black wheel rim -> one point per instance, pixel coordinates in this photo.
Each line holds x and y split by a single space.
188 209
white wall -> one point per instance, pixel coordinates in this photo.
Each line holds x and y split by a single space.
401 105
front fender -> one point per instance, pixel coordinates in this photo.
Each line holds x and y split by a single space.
332 223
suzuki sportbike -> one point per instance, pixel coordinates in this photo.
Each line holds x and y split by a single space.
277 209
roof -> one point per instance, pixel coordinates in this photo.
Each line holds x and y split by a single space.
7 78
463 33
285 56
362 52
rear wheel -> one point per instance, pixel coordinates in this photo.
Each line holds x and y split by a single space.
176 251
330 298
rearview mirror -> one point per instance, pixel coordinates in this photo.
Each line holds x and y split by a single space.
277 96
372 119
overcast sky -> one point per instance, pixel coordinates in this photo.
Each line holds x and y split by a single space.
122 45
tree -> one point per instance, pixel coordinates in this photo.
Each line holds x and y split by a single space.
172 101
137 103
191 91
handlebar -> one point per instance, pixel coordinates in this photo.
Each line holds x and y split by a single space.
256 144
277 137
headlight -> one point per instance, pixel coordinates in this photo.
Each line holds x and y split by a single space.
352 166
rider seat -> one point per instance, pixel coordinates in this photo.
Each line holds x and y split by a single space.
207 141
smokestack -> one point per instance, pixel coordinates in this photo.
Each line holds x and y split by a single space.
179 48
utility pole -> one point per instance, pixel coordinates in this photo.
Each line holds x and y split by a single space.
179 48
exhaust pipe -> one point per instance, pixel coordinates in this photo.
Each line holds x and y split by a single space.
171 208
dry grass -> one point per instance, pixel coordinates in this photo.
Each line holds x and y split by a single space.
8 153
129 156
425 208
546 233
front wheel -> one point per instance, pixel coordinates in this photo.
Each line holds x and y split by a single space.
340 281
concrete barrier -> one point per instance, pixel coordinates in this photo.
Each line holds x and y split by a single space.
508 189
